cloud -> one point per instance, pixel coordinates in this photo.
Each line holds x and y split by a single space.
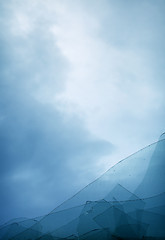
45 156
112 82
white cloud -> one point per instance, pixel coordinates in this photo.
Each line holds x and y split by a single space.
109 86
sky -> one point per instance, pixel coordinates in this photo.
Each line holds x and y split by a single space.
81 87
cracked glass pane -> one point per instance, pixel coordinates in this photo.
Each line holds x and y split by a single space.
127 202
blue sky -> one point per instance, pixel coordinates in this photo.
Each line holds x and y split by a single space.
82 86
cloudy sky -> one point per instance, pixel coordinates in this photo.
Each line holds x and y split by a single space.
81 87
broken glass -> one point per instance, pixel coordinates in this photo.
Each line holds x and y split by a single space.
126 202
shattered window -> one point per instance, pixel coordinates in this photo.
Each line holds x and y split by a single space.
127 202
